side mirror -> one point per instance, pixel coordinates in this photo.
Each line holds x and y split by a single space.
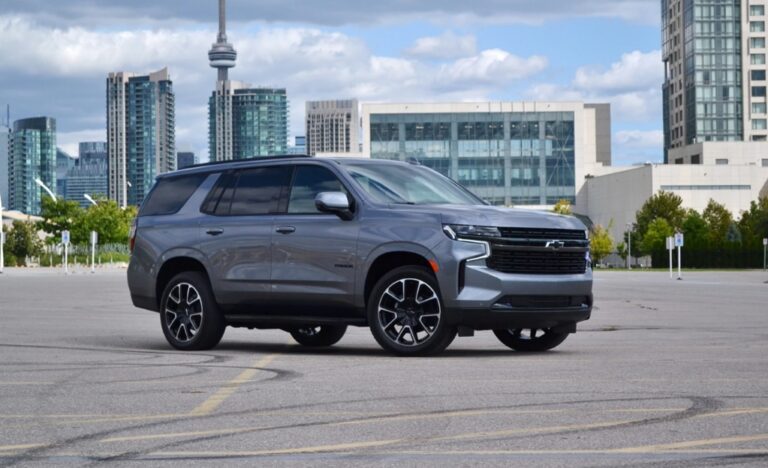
334 202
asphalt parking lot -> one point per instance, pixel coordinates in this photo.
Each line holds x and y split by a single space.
667 373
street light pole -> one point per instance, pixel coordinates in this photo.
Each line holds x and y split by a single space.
45 187
629 246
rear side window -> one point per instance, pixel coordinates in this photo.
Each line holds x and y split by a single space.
258 191
307 183
170 194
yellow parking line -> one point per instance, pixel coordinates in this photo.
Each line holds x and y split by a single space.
214 401
171 435
9 448
694 443
533 430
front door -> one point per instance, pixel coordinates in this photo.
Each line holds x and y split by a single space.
314 264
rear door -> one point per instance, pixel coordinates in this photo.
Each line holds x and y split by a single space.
313 254
236 233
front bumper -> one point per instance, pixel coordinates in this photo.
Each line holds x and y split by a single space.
489 299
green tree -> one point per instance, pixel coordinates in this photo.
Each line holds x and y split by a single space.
754 222
695 229
622 251
22 242
719 220
600 243
563 207
111 222
60 215
663 205
655 237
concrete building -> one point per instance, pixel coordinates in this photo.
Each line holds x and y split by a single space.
31 155
89 174
332 126
243 121
185 159
509 153
140 133
714 55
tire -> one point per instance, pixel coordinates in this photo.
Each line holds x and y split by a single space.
405 313
189 316
530 340
318 336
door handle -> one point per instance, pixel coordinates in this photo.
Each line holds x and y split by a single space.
214 232
286 229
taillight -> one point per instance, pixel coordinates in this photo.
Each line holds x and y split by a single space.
132 235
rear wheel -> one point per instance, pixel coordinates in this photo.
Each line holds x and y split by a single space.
189 316
530 339
318 335
405 313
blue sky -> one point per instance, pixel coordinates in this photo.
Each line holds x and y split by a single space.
57 54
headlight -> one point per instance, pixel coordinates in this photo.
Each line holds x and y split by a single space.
456 231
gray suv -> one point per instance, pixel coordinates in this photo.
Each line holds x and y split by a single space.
312 246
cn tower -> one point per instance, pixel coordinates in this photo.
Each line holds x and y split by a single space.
222 55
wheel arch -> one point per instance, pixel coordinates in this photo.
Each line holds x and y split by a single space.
388 258
173 266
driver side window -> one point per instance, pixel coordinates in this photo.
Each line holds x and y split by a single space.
308 181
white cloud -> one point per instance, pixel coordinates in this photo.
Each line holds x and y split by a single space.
632 86
491 67
635 70
68 67
639 138
445 46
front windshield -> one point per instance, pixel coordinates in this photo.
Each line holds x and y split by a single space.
409 184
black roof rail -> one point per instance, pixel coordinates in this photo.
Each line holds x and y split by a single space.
258 158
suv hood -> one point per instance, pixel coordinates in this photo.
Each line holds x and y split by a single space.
482 215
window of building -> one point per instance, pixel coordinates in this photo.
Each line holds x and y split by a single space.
758 91
257 191
758 75
721 162
757 43
696 159
307 183
757 26
756 10
765 162
759 108
757 59
759 138
679 161
759 124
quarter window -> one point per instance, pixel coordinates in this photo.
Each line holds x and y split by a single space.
308 181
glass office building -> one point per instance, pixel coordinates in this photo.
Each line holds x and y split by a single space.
140 133
505 156
31 155
89 174
247 122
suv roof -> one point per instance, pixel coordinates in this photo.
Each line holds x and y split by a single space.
243 163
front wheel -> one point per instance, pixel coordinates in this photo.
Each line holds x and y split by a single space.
530 339
318 336
405 313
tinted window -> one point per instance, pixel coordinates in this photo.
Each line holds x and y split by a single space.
212 200
170 194
307 183
258 190
758 75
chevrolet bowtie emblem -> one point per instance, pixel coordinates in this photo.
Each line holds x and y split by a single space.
554 245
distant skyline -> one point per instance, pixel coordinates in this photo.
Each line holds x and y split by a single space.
57 56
